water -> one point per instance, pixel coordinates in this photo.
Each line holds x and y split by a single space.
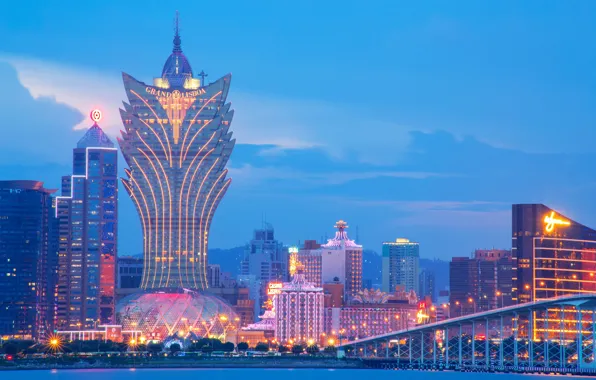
250 374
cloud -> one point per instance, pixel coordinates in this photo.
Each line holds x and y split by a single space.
282 123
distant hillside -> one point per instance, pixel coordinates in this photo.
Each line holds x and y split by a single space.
228 259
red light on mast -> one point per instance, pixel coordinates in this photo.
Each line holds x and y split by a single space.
95 115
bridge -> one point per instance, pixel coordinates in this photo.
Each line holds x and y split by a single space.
552 335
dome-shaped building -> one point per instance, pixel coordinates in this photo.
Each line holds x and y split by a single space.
161 314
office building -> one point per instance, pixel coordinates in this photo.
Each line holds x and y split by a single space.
266 259
176 142
28 260
553 255
400 265
481 282
214 275
426 285
87 211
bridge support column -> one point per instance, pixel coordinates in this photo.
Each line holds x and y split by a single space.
365 350
515 338
501 358
580 345
421 348
460 354
531 338
446 361
473 343
387 349
410 349
434 332
486 346
546 336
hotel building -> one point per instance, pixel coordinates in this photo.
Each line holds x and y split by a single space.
176 142
298 310
553 255
87 212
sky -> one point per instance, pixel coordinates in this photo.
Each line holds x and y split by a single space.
423 120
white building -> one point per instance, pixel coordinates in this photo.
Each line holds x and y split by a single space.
299 310
400 265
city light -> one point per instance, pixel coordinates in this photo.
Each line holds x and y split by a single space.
551 220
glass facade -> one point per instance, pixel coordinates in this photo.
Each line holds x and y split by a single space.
176 142
87 213
400 265
28 259
552 254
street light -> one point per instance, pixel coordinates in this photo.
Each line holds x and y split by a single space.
471 300
500 294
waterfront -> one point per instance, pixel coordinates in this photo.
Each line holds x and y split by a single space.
248 374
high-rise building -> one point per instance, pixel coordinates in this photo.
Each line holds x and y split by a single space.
310 257
426 284
267 260
299 311
28 259
341 260
553 255
214 275
481 282
130 272
400 265
176 143
87 211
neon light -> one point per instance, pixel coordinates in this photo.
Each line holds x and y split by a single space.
95 115
146 253
550 221
158 118
210 216
193 121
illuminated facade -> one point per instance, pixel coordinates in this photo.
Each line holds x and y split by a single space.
87 212
298 311
341 259
310 257
176 143
400 265
158 315
371 313
552 254
28 259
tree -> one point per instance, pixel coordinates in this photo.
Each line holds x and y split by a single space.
207 349
154 348
297 349
227 347
282 349
11 349
175 347
242 346
262 347
313 349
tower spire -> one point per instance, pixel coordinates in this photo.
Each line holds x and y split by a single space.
177 41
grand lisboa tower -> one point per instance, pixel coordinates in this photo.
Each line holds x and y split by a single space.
176 142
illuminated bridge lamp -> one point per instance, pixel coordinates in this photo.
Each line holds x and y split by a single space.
95 115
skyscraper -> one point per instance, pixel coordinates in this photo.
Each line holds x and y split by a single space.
266 259
176 143
400 265
427 285
552 254
28 259
87 211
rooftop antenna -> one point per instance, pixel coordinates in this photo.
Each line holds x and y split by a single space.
202 74
177 41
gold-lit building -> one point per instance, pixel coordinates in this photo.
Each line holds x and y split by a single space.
552 254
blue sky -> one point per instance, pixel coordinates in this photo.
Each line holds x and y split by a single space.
424 120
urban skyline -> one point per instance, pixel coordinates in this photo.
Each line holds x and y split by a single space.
66 278
433 117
